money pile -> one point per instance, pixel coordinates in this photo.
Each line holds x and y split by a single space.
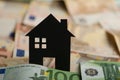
91 70
95 24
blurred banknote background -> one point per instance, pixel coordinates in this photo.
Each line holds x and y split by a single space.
95 24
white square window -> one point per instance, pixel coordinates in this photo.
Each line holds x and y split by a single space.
43 46
43 40
37 46
37 39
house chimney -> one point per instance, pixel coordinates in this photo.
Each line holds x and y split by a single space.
64 23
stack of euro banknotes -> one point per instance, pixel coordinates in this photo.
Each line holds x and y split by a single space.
90 70
95 49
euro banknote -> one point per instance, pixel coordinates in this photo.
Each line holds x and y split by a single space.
7 26
94 41
24 1
84 9
39 9
12 61
36 72
21 41
13 10
100 70
6 48
111 22
116 35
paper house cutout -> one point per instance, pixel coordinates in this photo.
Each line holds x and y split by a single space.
50 38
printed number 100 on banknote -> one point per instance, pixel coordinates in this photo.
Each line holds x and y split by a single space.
37 72
62 75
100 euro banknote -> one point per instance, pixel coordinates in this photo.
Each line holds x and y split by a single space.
35 72
100 70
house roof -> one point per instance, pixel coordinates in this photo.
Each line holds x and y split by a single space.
50 20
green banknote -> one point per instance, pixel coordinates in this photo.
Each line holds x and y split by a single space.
100 70
36 72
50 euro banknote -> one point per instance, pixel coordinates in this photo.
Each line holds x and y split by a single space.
21 41
116 35
6 48
87 12
35 72
38 10
93 41
13 10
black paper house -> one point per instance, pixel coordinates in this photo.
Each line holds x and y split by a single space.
50 38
